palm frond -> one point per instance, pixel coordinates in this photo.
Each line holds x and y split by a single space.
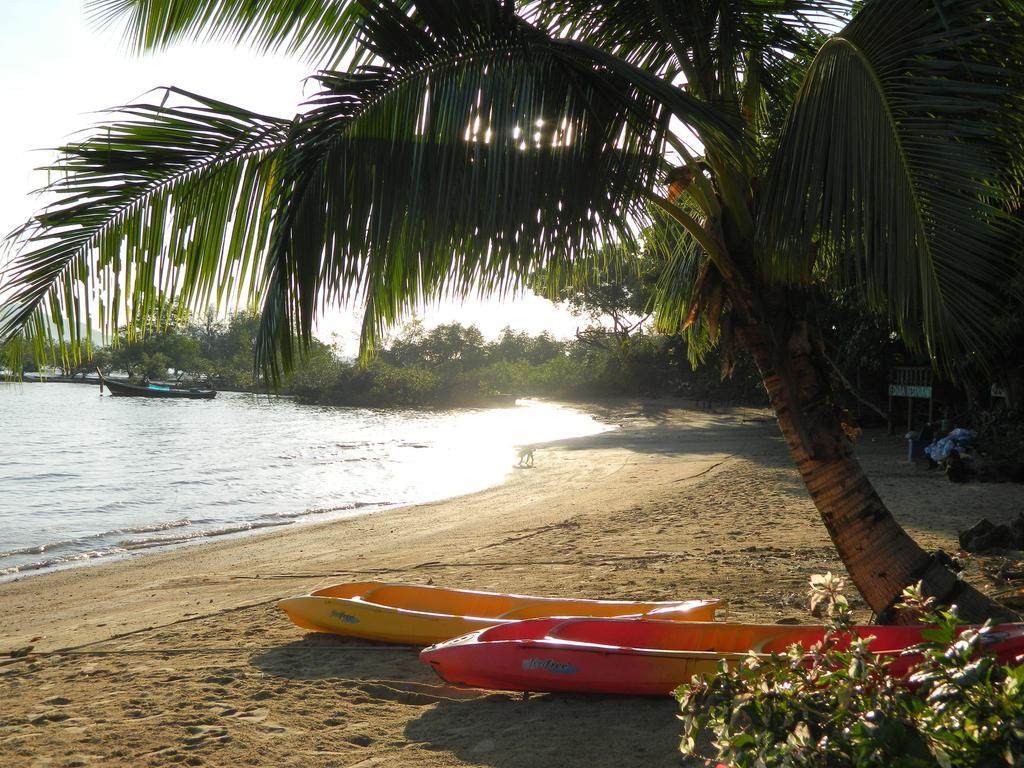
898 157
321 31
474 151
164 205
679 302
743 57
707 41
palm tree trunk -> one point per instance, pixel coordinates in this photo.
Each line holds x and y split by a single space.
881 558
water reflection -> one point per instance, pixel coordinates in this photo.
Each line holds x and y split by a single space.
85 477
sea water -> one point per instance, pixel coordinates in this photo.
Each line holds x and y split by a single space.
85 477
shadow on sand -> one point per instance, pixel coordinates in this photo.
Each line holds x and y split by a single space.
481 728
921 501
745 433
507 731
364 672
321 656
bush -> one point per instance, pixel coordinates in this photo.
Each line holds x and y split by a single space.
827 706
451 365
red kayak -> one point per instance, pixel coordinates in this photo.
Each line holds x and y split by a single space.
643 657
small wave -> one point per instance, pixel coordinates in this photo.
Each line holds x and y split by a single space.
263 466
39 549
348 507
182 523
128 546
47 476
55 562
36 550
166 541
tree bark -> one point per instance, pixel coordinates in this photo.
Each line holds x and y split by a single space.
881 558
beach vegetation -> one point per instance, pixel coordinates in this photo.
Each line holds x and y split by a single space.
765 148
453 365
447 366
836 704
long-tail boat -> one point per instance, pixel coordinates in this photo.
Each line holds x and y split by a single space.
124 389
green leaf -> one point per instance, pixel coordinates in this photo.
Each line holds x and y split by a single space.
474 152
321 31
166 205
900 156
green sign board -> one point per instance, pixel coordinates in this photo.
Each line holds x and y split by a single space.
907 390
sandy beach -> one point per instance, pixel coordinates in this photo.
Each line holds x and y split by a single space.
180 658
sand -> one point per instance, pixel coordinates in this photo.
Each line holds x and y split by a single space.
180 658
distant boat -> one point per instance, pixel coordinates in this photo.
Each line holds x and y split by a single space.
124 389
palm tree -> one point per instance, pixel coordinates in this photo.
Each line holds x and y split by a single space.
771 145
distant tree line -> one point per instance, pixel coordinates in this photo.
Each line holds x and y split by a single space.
212 350
618 351
454 365
449 365
614 354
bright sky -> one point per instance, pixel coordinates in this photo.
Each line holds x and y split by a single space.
57 70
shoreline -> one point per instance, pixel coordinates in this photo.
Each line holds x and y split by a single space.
56 543
180 657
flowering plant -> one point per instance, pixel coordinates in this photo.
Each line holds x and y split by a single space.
837 704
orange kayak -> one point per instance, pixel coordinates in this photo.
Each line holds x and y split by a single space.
640 657
421 615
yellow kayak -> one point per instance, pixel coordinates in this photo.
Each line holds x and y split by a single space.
422 615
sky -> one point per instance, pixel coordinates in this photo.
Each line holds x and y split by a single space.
58 70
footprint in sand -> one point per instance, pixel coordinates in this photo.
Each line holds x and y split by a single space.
42 718
271 728
221 679
254 715
81 761
205 735
249 715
